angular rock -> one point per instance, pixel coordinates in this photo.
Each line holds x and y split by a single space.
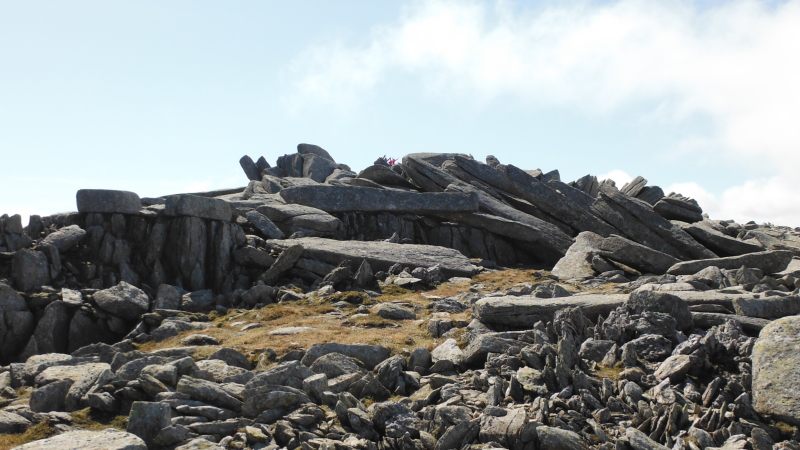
384 175
318 168
311 149
284 262
123 300
479 347
147 419
635 255
264 225
291 218
196 206
198 301
390 311
107 201
661 302
290 373
719 243
577 262
30 269
370 355
381 255
11 423
250 168
551 438
209 392
65 238
334 199
524 311
335 365
771 261
768 307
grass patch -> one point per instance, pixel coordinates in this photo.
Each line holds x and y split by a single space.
612 373
369 320
786 429
87 420
393 290
41 430
352 297
24 392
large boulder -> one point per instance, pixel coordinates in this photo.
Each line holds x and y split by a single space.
30 269
776 377
524 311
123 300
577 263
107 201
109 439
661 302
65 238
197 206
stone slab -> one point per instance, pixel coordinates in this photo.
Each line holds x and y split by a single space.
334 199
524 311
107 201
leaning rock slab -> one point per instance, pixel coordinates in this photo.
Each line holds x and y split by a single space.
196 206
88 440
381 255
123 300
776 377
524 311
107 201
769 262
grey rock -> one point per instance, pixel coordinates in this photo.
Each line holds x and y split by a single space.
672 209
318 168
264 398
198 301
662 302
290 373
640 441
171 328
264 225
768 307
675 368
199 444
348 198
447 352
524 311
370 355
384 175
311 149
336 364
776 384
208 392
768 262
51 397
635 255
232 358
284 262
167 297
391 311
123 300
107 201
109 439
478 348
52 330
197 206
250 168
65 238
292 218
30 269
394 420
577 262
381 255
595 349
11 423
706 320
718 242
551 438
147 419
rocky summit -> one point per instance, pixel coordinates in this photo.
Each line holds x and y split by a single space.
432 304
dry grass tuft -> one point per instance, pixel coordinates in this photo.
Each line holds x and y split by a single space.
41 430
88 420
612 373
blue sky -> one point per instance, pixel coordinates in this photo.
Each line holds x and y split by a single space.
164 97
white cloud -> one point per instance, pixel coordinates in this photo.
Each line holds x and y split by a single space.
620 177
734 63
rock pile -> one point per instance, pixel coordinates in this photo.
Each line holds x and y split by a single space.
644 335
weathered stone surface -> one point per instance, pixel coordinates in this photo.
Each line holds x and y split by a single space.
209 392
479 347
30 269
291 218
661 302
776 380
65 238
147 419
334 365
51 397
768 307
311 149
290 373
263 398
674 210
551 438
196 206
250 168
198 301
640 441
524 311
317 167
391 311
264 225
381 255
348 198
771 261
107 201
370 355
109 439
635 255
284 262
706 320
384 175
577 262
11 423
123 300
52 329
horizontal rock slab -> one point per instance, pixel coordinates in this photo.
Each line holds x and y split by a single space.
370 355
381 255
292 217
776 380
636 255
334 199
107 201
109 439
768 308
196 206
706 320
524 311
768 262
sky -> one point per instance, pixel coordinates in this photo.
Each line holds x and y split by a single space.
699 97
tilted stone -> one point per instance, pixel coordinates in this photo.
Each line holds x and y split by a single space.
719 243
776 380
196 206
65 238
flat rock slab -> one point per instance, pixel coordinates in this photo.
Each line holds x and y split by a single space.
370 355
769 262
196 206
776 379
524 311
107 201
88 440
289 331
336 199
707 320
381 255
